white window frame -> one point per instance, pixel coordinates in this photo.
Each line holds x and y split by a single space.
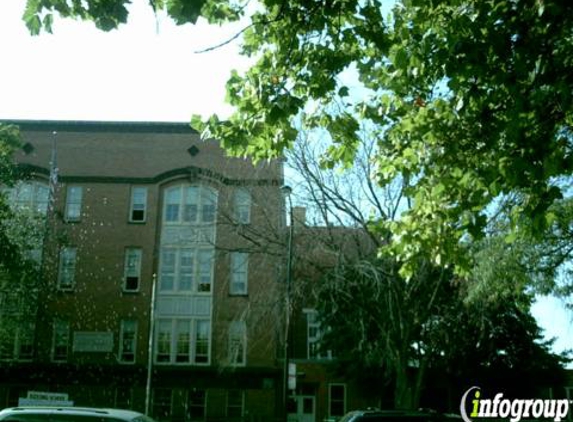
199 196
190 405
128 271
8 345
172 325
237 338
242 405
154 403
37 200
137 205
242 203
127 323
74 197
25 329
239 283
60 328
201 279
67 269
313 340
330 385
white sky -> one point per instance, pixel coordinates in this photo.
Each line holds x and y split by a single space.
146 71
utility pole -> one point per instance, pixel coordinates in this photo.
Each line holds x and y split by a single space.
286 190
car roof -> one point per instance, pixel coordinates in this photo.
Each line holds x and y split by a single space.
400 414
116 413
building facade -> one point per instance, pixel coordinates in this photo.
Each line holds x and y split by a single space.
323 392
148 229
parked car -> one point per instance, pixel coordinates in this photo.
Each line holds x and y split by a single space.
70 414
398 416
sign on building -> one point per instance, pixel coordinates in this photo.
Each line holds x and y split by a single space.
92 341
41 398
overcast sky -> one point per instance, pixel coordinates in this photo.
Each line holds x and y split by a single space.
146 71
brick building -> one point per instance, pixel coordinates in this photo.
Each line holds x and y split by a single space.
136 205
322 392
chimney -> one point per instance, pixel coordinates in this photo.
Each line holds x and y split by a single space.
299 217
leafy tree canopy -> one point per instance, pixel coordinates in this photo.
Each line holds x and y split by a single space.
19 232
381 324
472 99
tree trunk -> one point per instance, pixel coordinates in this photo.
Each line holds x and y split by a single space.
408 386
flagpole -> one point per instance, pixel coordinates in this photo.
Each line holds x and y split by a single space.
52 186
150 346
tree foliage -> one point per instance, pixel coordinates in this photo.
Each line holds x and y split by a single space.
471 99
14 236
420 332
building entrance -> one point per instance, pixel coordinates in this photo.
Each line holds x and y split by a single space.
302 409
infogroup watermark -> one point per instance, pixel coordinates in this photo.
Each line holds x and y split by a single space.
473 405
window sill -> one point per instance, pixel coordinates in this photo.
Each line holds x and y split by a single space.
65 290
130 292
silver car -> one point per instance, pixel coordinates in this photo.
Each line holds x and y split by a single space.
70 414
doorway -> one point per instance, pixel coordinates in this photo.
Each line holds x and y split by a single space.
302 409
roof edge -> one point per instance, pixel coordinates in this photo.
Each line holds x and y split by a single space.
101 126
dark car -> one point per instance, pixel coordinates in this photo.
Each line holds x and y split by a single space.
70 414
398 416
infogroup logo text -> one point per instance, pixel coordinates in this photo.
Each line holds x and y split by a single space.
514 409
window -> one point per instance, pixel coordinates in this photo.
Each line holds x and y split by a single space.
205 259
239 273
127 341
7 343
17 340
163 341
235 403
25 341
30 195
208 205
73 203
138 207
336 399
189 204
60 341
66 275
183 341
11 302
314 336
132 269
202 341
238 343
196 404
162 404
186 270
242 206
172 203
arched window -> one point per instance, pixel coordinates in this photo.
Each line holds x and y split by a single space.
30 195
190 204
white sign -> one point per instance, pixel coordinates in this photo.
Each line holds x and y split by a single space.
292 376
41 395
42 398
